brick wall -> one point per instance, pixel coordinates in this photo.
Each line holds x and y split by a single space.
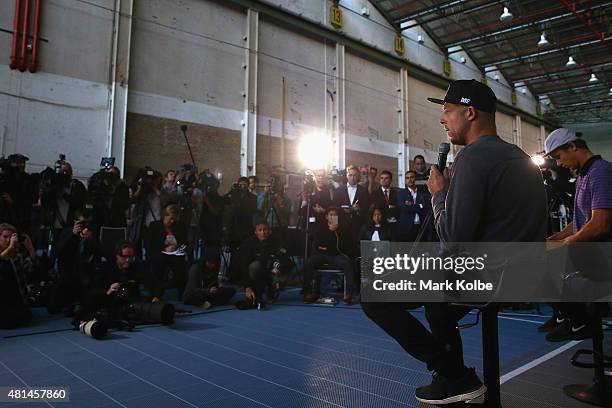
159 143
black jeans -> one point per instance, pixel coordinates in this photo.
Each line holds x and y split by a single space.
260 277
16 315
160 274
441 348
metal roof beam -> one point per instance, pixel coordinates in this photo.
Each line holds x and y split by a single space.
443 15
563 89
427 11
538 54
521 26
605 63
599 103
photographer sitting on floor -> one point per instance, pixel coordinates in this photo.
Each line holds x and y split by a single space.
14 310
263 262
111 277
203 283
115 300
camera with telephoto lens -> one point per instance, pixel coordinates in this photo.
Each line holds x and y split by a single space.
131 309
93 328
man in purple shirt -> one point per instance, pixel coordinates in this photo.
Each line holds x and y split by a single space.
592 219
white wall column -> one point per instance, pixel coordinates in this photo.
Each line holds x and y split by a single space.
120 68
403 149
517 137
542 137
248 135
339 123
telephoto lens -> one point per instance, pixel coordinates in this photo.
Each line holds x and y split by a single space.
158 312
93 328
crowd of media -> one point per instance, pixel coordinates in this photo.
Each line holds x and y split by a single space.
106 248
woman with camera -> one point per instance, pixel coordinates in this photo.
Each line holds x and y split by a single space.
17 259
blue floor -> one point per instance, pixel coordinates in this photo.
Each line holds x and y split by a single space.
289 355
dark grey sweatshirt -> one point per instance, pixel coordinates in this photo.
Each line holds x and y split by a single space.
496 194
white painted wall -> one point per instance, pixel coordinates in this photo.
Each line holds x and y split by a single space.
426 133
186 63
531 138
371 99
189 50
505 126
306 98
63 108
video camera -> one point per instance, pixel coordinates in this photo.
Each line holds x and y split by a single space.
207 182
147 179
54 180
337 175
102 183
186 179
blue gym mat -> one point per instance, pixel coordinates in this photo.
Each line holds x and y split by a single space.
288 355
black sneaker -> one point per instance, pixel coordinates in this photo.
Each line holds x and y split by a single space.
443 391
570 331
551 324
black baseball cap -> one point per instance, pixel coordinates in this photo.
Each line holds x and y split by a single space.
469 92
18 156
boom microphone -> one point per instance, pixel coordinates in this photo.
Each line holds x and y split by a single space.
443 150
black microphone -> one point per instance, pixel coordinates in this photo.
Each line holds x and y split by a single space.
184 128
443 150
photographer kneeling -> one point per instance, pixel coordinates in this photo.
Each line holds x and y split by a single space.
263 261
14 310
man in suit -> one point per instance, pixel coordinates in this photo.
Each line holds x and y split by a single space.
354 200
413 206
385 198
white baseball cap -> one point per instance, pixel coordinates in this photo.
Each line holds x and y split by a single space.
558 138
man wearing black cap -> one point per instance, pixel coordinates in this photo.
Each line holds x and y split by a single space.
592 221
494 194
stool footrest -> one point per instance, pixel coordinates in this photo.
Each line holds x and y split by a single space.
607 361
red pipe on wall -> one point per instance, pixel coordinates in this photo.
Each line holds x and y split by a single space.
14 45
33 61
24 38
